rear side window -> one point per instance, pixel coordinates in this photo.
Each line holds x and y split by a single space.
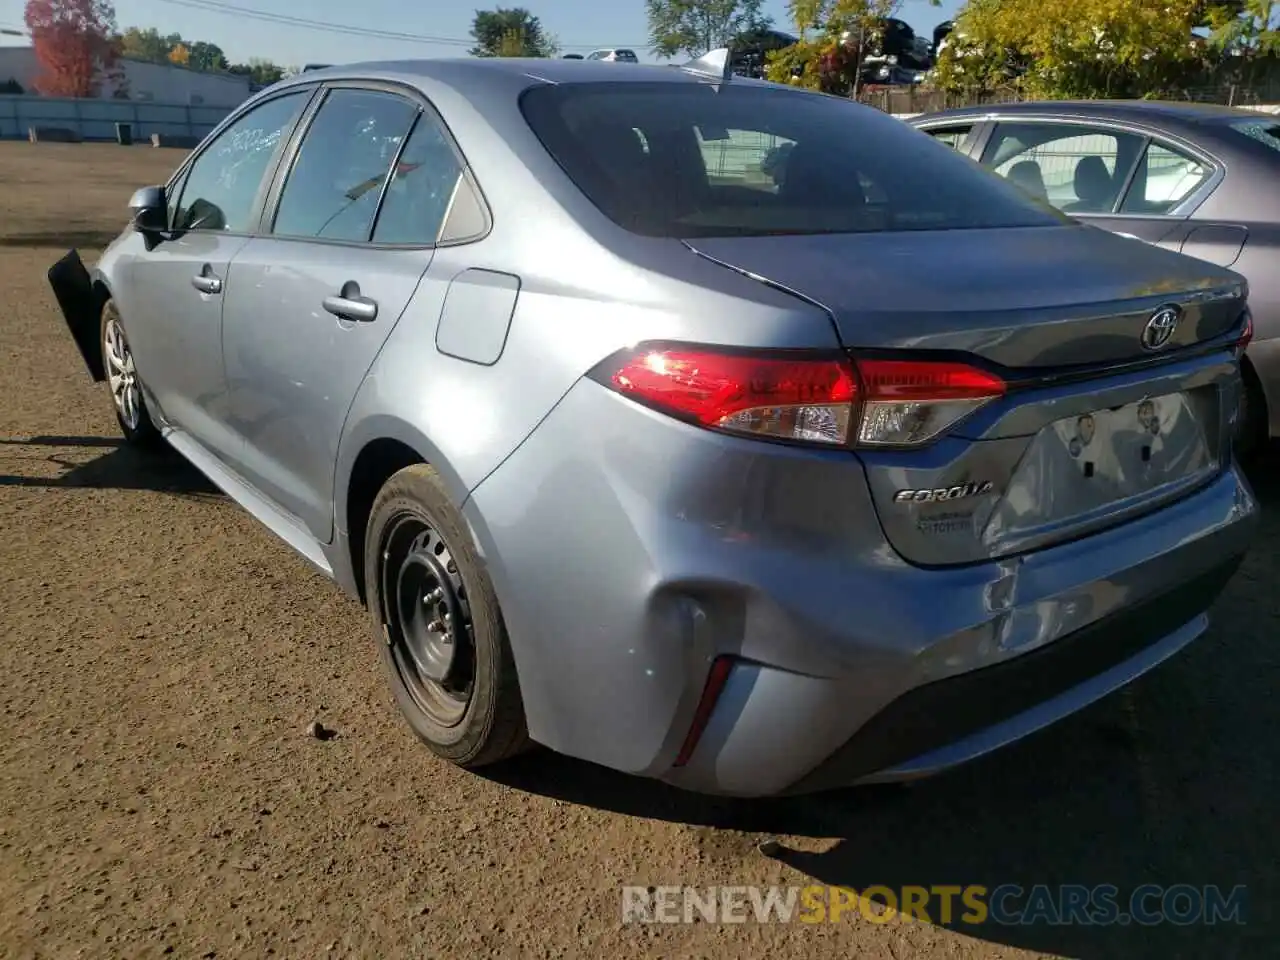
683 160
1265 132
421 188
1164 179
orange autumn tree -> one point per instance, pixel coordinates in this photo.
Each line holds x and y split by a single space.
74 42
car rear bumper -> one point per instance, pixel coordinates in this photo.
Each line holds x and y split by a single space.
630 551
939 725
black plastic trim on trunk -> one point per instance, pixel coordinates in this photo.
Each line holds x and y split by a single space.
946 711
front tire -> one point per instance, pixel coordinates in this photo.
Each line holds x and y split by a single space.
438 626
122 379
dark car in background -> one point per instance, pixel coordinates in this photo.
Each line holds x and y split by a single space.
1200 179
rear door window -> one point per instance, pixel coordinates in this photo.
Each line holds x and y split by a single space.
678 159
342 165
1075 167
1165 178
421 188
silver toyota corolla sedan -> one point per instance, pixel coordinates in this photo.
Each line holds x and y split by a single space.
756 470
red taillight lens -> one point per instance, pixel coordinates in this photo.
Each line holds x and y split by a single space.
909 402
775 396
1247 335
825 400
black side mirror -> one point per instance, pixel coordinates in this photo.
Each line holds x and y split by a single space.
150 210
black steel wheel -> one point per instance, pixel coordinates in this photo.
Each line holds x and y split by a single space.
438 624
426 617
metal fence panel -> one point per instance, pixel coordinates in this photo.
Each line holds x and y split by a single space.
95 119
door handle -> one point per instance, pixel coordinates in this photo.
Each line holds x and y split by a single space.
350 305
206 282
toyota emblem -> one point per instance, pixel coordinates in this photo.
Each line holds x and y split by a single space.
1161 326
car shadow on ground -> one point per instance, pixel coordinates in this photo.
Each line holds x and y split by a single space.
120 467
1171 781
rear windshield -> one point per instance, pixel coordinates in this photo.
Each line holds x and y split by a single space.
1264 131
683 160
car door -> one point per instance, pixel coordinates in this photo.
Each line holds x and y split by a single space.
175 318
353 229
1116 178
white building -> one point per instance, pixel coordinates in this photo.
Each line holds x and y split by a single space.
146 81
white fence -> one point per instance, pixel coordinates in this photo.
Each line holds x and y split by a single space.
97 119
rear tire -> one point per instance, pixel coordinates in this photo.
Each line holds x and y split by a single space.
122 380
438 626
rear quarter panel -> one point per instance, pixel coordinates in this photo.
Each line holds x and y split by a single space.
1259 262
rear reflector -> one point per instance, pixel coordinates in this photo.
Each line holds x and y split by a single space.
1247 335
716 679
826 400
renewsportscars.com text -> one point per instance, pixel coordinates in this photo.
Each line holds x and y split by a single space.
1007 904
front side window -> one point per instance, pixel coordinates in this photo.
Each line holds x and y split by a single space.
683 160
333 188
1076 168
222 186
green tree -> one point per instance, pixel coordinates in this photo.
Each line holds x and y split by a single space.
510 32
835 35
259 71
1073 48
694 27
206 56
1242 33
139 44
1244 27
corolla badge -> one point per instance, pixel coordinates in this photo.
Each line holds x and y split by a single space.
1161 326
960 491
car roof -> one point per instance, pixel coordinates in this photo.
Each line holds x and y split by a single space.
505 72
1168 111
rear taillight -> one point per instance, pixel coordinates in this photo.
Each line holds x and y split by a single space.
833 401
1247 335
909 402
774 396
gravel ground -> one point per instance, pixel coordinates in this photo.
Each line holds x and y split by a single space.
160 795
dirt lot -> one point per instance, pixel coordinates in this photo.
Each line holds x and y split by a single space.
163 656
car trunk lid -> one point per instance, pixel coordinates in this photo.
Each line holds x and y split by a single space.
1094 428
1024 298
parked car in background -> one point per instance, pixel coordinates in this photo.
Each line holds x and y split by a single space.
1200 179
752 482
614 55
